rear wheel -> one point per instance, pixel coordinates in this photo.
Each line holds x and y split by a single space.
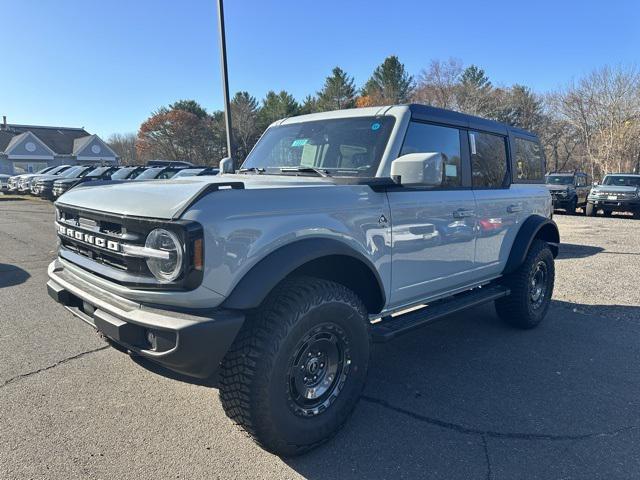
573 206
590 210
298 366
531 288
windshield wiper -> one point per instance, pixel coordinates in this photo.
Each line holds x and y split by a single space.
319 171
252 169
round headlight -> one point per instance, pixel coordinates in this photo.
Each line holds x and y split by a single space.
165 269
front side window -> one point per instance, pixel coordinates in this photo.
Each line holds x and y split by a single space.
529 164
426 138
622 180
349 147
488 160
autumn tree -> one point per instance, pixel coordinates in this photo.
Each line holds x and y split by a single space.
338 92
389 84
177 134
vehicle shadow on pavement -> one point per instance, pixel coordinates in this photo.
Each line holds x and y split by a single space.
10 275
570 250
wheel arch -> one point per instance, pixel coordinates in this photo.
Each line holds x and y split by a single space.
319 257
535 227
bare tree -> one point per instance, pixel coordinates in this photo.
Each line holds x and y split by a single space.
124 144
604 107
437 84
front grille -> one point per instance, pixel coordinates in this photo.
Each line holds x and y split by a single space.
618 195
99 237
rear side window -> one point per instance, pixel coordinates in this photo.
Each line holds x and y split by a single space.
529 164
488 160
426 138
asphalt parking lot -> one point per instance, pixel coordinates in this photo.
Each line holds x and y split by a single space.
464 398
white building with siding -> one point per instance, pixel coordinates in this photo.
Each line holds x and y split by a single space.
29 148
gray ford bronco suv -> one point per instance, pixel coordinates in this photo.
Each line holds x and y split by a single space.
619 192
340 229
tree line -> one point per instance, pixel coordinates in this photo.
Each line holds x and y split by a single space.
592 124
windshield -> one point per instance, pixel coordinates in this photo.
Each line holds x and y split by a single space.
96 172
621 181
560 179
123 173
188 172
341 147
59 169
72 172
149 173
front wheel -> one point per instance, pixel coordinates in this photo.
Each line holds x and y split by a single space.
298 366
531 288
590 210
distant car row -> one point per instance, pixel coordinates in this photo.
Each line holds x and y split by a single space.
52 182
618 192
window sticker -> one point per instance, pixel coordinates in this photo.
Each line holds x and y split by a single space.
472 140
375 126
300 142
451 170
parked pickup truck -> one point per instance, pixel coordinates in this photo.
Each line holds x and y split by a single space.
341 228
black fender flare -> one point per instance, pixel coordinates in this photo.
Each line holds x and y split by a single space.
536 226
256 284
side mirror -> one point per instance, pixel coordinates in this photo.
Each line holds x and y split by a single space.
226 165
418 169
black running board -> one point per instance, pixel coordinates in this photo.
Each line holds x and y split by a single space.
391 327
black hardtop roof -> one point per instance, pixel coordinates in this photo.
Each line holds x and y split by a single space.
440 115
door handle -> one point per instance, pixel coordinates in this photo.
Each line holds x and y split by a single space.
516 207
462 213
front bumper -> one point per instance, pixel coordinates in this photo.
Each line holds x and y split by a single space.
183 341
630 205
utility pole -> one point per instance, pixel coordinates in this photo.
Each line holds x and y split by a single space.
225 80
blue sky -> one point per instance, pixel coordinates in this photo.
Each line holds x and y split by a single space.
106 65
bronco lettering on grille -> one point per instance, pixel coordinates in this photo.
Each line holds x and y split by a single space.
89 239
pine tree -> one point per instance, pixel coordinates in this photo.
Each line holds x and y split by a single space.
276 106
389 84
338 92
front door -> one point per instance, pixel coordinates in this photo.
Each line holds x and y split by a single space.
433 231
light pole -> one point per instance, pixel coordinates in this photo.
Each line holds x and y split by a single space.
225 80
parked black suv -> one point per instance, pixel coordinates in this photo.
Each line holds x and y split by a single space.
568 190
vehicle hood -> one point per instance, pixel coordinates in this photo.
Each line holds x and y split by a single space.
167 199
614 189
65 180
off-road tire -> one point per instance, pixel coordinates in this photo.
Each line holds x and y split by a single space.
255 377
573 206
590 210
518 309
607 213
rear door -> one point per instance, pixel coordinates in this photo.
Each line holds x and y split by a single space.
499 207
433 230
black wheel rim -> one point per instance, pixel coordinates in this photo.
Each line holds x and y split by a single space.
538 285
318 370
